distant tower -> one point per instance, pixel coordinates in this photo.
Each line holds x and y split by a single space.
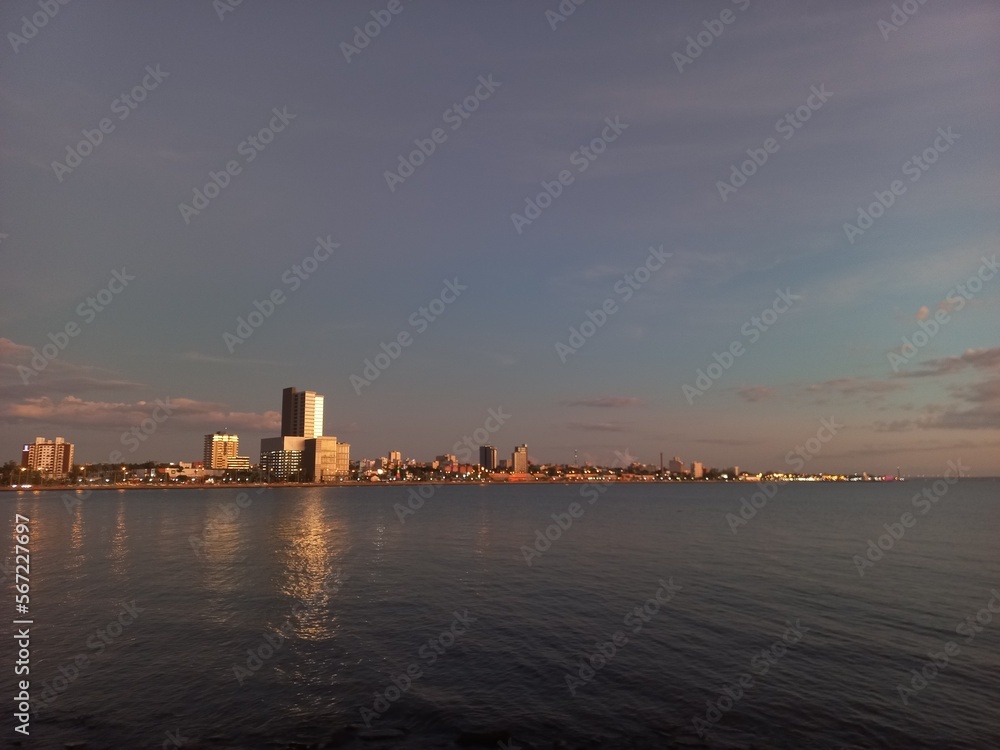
519 459
301 414
488 457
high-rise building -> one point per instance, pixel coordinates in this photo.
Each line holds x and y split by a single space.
281 458
697 470
302 453
395 459
519 459
51 459
219 448
488 457
325 459
675 465
301 413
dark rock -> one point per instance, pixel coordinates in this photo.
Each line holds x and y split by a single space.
483 738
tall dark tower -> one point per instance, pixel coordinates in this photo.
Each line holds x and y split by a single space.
301 413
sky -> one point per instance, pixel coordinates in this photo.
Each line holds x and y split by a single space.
643 227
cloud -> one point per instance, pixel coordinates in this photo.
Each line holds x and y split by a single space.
848 387
755 392
977 405
604 402
72 411
69 385
985 358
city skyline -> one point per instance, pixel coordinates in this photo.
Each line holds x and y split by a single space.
700 249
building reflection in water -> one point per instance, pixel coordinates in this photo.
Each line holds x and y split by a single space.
118 550
311 543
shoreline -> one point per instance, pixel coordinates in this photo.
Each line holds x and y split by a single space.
418 482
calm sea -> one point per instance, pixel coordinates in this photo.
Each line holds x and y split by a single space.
180 615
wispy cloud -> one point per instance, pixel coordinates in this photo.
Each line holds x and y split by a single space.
755 392
849 387
72 411
986 358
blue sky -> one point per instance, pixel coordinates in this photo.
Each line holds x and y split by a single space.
552 91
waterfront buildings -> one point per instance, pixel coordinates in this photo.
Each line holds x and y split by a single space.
302 453
488 457
697 470
675 465
54 460
519 459
325 459
281 458
219 448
